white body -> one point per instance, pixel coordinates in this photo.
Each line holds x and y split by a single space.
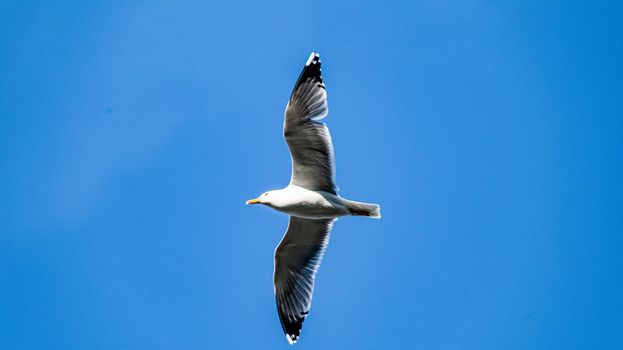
298 201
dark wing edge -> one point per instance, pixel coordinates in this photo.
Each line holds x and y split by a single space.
297 259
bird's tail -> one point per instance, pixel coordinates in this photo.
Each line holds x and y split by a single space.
364 209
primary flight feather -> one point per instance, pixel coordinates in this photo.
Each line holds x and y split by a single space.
310 199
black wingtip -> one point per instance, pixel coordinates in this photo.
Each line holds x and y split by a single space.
312 70
314 58
291 338
291 328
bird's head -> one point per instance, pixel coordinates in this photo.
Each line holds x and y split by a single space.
264 198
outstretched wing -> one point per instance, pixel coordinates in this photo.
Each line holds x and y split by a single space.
309 140
297 259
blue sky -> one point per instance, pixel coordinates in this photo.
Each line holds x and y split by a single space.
490 132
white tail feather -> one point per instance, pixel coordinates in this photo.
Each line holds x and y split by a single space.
364 209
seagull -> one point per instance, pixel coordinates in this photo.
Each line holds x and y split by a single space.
311 200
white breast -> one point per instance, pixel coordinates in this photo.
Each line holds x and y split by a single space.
298 201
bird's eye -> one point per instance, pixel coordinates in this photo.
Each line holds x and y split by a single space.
264 194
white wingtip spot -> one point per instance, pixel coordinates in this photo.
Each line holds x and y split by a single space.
290 341
311 58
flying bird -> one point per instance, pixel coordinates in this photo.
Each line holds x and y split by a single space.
311 199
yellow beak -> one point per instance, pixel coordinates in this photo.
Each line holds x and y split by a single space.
253 201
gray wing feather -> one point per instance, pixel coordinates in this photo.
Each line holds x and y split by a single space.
297 258
310 144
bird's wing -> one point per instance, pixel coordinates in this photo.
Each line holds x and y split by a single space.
309 140
297 258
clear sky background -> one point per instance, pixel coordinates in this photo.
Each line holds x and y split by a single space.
491 132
